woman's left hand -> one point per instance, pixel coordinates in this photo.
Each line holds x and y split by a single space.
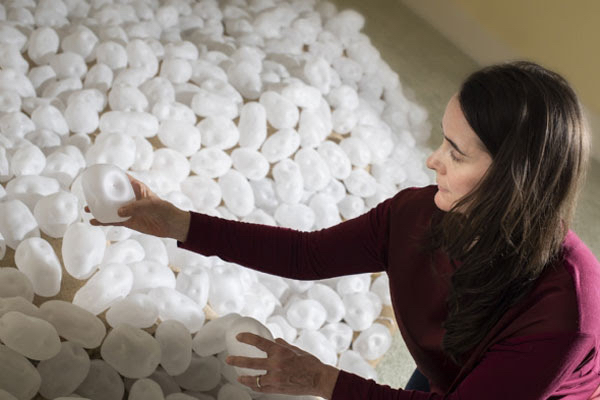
290 370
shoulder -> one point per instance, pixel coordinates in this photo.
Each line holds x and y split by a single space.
566 296
414 206
583 268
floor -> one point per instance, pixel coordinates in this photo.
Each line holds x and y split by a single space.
431 69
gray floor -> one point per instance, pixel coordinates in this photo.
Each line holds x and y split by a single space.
432 68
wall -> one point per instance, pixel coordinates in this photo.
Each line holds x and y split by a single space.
561 35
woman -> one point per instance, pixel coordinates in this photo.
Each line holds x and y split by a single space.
494 296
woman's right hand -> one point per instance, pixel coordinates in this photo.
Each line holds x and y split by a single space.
151 215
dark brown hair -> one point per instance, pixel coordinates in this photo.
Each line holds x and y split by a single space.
516 218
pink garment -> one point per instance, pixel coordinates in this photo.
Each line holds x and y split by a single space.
544 347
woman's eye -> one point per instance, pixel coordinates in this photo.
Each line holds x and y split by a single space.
454 158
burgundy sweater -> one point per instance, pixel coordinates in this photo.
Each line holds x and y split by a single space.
544 347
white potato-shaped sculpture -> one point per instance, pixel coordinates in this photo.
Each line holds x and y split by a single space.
8 304
83 248
306 314
74 323
329 299
203 374
15 283
64 372
106 188
316 343
142 356
37 259
145 389
174 305
102 382
17 222
373 342
339 334
56 212
237 348
111 283
17 376
352 362
210 339
32 337
176 346
137 309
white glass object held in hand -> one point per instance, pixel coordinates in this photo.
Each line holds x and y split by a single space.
106 188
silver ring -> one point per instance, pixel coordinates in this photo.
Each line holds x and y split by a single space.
258 381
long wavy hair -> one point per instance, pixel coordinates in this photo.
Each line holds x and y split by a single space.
513 222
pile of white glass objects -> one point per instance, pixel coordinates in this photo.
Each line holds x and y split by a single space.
269 111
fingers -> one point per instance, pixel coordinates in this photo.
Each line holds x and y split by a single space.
256 341
95 222
248 362
295 349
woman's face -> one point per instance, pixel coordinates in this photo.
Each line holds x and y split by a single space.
461 161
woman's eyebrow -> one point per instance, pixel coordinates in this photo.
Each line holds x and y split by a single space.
452 143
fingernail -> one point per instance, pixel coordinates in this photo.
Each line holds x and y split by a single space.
228 360
121 211
238 336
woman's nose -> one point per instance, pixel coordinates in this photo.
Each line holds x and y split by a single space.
432 161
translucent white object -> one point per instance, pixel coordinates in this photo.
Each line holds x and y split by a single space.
27 160
176 70
326 211
289 184
145 389
174 305
112 54
318 74
381 287
361 309
36 259
127 251
218 132
210 339
142 356
166 381
100 77
361 183
281 145
137 309
141 55
302 95
295 216
112 148
194 285
237 193
19 304
259 302
74 323
353 284
339 334
64 372
176 346
252 164
358 152
210 161
180 136
56 212
127 98
236 348
16 222
278 324
209 103
329 299
344 120
317 344
132 123
313 128
336 159
231 392
102 382
83 248
252 125
351 206
306 314
203 374
281 113
15 283
32 337
352 362
225 288
82 41
106 189
373 342
43 44
29 189
17 376
111 283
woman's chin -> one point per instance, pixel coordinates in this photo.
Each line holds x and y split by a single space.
440 200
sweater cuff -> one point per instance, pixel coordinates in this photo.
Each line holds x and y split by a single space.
196 219
343 386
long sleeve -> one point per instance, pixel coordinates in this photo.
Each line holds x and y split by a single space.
355 246
523 368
